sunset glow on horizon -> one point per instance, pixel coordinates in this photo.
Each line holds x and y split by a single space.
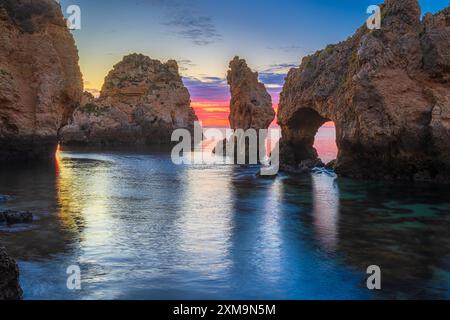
215 113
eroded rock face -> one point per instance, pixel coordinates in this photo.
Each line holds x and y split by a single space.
9 279
388 93
40 80
251 104
142 101
250 108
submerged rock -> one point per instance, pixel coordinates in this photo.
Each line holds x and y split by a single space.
13 217
331 165
142 101
305 166
388 93
9 277
40 80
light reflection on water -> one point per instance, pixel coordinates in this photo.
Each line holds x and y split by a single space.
326 210
143 228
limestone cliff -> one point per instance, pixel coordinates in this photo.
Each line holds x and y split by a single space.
9 279
142 101
251 104
40 80
388 93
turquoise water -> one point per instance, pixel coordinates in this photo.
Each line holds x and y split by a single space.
140 227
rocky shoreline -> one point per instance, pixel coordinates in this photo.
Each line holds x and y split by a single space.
9 281
40 86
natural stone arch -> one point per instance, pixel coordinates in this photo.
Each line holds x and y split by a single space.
380 88
299 134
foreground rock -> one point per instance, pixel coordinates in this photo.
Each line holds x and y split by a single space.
13 217
388 93
40 80
9 277
251 104
142 101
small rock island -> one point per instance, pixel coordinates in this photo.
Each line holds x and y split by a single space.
141 103
250 105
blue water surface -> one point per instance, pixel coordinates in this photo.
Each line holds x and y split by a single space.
140 227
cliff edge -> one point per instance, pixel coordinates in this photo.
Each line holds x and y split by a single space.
40 80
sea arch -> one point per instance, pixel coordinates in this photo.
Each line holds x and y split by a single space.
299 135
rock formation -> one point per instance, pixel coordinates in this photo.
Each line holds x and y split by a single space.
142 101
9 279
251 105
388 93
40 80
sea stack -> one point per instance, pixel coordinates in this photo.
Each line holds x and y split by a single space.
251 104
40 80
9 279
388 93
141 102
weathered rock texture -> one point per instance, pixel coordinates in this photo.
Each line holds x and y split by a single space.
250 108
40 80
142 101
9 277
251 104
388 93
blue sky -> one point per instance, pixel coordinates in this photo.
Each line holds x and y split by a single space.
204 35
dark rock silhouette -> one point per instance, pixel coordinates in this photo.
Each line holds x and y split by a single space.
9 279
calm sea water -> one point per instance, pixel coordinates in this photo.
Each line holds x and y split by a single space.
140 227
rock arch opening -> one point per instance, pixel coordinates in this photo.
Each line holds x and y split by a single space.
309 136
325 142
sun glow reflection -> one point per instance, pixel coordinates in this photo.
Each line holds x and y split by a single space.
204 228
271 232
57 159
75 208
326 210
